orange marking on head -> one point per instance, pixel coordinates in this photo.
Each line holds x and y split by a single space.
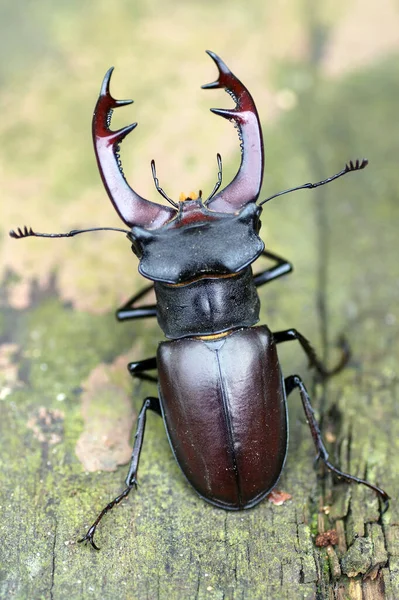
192 196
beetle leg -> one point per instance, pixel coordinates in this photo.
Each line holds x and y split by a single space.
137 369
129 311
131 479
283 267
292 334
293 382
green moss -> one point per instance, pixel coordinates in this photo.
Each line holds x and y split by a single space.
314 525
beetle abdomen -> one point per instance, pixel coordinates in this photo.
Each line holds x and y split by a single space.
225 413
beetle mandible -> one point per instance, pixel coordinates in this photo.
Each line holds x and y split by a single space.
221 392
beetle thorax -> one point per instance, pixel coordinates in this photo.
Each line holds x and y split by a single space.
207 306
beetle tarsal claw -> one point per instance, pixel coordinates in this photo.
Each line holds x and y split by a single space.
89 538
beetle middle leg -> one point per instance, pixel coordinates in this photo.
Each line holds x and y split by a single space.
138 369
292 334
293 382
131 479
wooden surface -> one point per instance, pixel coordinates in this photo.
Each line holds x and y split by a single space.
67 404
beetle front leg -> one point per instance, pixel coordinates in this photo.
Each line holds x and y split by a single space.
130 311
131 479
292 334
294 381
283 267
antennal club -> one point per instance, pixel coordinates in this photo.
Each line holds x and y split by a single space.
349 168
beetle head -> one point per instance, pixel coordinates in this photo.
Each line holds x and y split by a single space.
198 243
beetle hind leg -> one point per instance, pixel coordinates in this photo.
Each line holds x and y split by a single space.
131 479
294 382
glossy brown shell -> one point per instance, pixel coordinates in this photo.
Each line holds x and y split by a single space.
225 413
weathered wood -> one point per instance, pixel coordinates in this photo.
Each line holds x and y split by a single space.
64 379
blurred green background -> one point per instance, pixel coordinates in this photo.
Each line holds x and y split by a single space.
325 79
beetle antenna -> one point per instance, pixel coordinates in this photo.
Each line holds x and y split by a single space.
219 181
349 167
19 234
159 189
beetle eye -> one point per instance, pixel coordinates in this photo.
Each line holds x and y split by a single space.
257 224
136 247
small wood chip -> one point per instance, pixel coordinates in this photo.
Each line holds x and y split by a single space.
278 497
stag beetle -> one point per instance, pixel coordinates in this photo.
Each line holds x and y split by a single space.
221 392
